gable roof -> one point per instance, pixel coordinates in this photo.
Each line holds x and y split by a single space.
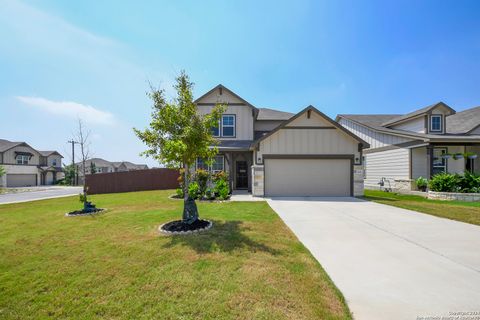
226 89
416 113
463 121
6 145
48 153
371 120
331 121
271 114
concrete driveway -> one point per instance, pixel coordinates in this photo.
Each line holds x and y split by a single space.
39 193
389 263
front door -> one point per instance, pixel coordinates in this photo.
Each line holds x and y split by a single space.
241 175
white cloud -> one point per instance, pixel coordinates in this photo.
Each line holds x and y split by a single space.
70 109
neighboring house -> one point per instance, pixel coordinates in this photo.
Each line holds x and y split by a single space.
26 166
105 166
275 153
405 147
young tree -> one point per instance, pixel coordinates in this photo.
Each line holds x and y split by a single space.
69 170
2 171
82 138
93 168
178 135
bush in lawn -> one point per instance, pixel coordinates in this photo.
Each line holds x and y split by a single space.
193 190
221 188
179 192
445 182
469 183
209 194
421 183
202 180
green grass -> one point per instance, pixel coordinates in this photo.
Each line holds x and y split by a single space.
117 266
468 212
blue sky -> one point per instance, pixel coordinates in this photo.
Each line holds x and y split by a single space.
61 59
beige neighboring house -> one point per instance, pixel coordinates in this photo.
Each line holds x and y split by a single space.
26 166
105 166
404 147
275 153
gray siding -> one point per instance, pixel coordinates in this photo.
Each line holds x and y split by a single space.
9 155
414 125
419 163
374 138
391 164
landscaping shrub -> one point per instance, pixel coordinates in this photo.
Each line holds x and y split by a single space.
445 182
221 188
202 180
193 190
469 183
179 192
421 183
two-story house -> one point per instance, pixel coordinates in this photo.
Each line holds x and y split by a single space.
422 143
275 153
26 166
105 166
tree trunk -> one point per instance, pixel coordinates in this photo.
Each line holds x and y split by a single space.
190 211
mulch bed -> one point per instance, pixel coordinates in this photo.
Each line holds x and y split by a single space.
180 227
79 213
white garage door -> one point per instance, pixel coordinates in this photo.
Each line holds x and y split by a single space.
307 177
21 180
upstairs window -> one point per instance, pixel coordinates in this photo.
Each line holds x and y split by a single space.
436 123
22 159
54 162
228 125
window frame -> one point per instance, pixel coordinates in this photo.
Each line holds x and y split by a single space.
234 126
23 157
434 116
209 168
444 161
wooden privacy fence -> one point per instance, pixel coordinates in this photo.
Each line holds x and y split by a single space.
138 180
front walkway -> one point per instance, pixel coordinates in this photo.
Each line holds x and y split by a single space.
389 263
244 195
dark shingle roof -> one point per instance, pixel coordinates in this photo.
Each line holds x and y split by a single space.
463 121
47 153
235 144
415 113
5 144
371 120
271 114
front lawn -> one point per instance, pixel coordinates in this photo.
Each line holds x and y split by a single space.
468 212
115 265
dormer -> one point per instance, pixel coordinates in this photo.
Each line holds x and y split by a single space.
428 120
237 122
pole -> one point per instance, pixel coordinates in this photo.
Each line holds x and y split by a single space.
73 161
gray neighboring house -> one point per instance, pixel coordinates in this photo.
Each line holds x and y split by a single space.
274 153
26 166
404 147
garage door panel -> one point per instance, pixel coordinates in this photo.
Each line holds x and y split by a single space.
308 177
21 180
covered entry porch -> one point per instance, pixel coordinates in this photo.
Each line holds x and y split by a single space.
445 157
238 166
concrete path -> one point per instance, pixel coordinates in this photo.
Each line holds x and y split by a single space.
389 263
39 193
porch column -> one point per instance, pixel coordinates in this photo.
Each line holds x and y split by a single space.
429 161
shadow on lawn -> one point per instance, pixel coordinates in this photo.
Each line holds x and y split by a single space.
374 198
225 236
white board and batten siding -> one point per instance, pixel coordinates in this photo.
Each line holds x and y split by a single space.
390 164
374 138
244 117
414 125
309 141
